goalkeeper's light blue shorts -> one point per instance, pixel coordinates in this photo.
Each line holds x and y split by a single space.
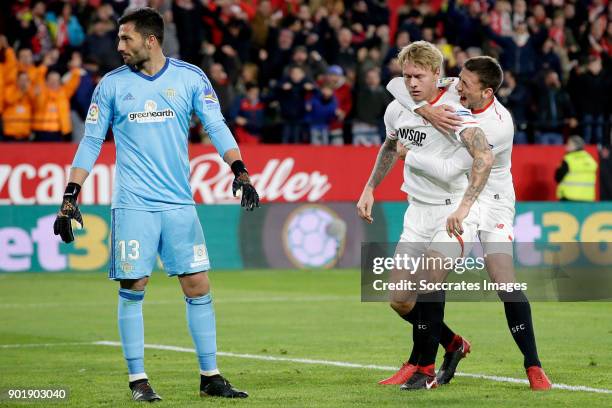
138 236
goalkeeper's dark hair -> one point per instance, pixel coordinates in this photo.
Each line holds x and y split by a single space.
488 70
147 21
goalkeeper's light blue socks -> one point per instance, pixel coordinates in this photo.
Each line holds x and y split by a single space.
131 331
200 319
201 322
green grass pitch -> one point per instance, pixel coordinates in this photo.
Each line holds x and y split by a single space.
288 314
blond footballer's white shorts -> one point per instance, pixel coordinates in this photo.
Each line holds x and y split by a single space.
425 227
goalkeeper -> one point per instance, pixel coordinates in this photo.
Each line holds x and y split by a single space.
149 102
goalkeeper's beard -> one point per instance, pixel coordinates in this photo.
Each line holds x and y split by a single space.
135 60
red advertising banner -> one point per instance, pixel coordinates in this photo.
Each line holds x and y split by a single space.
37 173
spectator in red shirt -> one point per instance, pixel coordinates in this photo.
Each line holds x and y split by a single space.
343 93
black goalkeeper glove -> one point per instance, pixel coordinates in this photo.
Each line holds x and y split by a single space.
68 211
242 181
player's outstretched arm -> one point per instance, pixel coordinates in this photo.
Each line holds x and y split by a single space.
242 181
387 156
477 145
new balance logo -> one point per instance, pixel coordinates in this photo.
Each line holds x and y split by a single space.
128 97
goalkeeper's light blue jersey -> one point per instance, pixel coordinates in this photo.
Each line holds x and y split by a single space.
150 120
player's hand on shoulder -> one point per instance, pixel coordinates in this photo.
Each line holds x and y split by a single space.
242 183
68 211
444 118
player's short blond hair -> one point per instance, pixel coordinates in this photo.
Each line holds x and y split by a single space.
422 54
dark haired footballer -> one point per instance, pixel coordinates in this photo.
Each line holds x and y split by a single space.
149 103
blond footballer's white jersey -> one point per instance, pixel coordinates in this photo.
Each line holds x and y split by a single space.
496 123
418 135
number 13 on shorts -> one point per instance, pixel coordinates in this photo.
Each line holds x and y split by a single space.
133 251
138 236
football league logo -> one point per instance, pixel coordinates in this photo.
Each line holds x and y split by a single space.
92 114
200 256
200 253
444 82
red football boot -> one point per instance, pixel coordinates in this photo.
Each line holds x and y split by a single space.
538 381
401 376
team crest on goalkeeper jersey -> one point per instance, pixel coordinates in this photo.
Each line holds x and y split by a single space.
170 93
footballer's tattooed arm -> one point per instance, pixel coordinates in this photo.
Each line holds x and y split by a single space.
387 156
477 145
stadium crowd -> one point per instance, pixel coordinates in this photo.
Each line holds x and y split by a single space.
313 71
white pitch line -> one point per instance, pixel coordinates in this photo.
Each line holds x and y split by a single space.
306 361
178 301
355 365
6 346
